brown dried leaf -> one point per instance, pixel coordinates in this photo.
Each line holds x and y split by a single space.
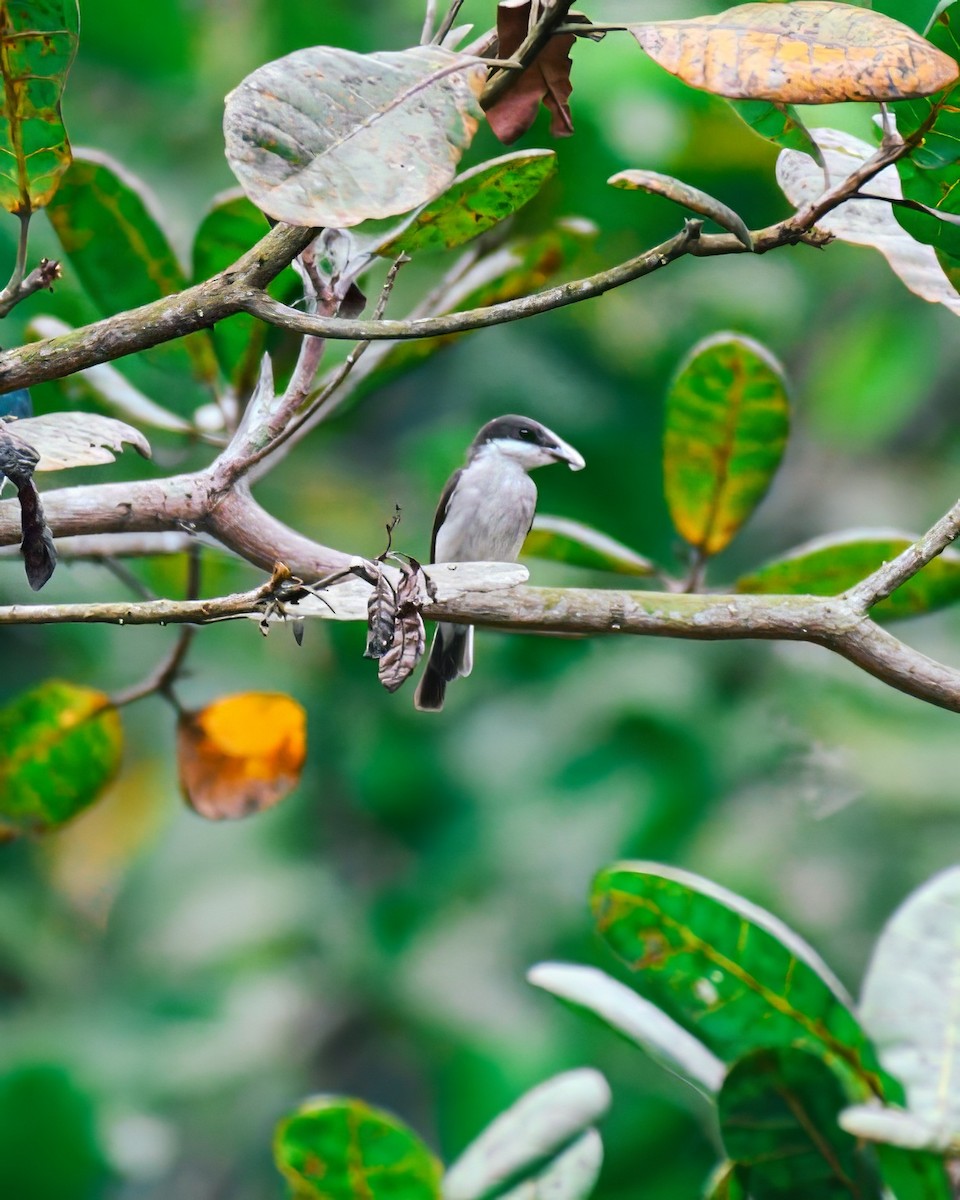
78 439
241 754
808 52
381 618
409 639
546 80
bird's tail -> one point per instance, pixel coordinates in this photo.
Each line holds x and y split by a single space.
451 655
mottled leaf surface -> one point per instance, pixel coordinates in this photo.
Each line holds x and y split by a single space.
334 1148
830 565
560 539
727 422
778 1113
241 754
686 196
476 201
38 40
724 969
865 222
328 137
911 1004
61 747
809 52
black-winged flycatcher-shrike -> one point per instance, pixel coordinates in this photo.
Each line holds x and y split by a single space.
484 514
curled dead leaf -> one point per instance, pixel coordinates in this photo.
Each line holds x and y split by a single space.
241 754
808 52
78 439
688 197
406 649
546 80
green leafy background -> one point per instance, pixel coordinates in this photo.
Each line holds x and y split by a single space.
190 983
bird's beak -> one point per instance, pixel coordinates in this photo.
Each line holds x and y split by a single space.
564 452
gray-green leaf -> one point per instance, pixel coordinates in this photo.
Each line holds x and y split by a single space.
328 137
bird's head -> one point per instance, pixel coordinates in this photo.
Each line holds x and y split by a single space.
525 441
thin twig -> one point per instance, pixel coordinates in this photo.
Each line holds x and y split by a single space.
310 407
540 33
447 23
42 276
825 621
891 575
161 679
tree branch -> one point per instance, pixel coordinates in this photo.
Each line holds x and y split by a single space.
831 622
240 289
888 577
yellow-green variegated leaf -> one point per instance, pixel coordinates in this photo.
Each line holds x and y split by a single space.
727 422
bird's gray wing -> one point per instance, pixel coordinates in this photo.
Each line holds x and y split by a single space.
444 503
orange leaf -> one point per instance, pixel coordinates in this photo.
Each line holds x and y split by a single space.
241 754
809 52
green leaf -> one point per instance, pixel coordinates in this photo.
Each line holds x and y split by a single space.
334 1148
61 747
49 1148
941 143
727 971
779 123
687 197
594 992
830 565
328 137
727 421
561 540
914 1174
911 1005
105 385
523 1140
728 1182
38 40
105 220
476 201
914 13
227 230
517 269
778 1118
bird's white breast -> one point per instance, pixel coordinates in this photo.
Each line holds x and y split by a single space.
489 513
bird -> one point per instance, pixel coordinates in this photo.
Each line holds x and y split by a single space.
485 513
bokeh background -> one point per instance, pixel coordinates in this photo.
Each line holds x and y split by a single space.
169 988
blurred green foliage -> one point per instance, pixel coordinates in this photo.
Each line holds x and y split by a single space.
169 988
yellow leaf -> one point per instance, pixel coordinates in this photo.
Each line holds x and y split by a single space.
242 754
810 52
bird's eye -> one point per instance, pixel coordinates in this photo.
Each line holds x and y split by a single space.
526 435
